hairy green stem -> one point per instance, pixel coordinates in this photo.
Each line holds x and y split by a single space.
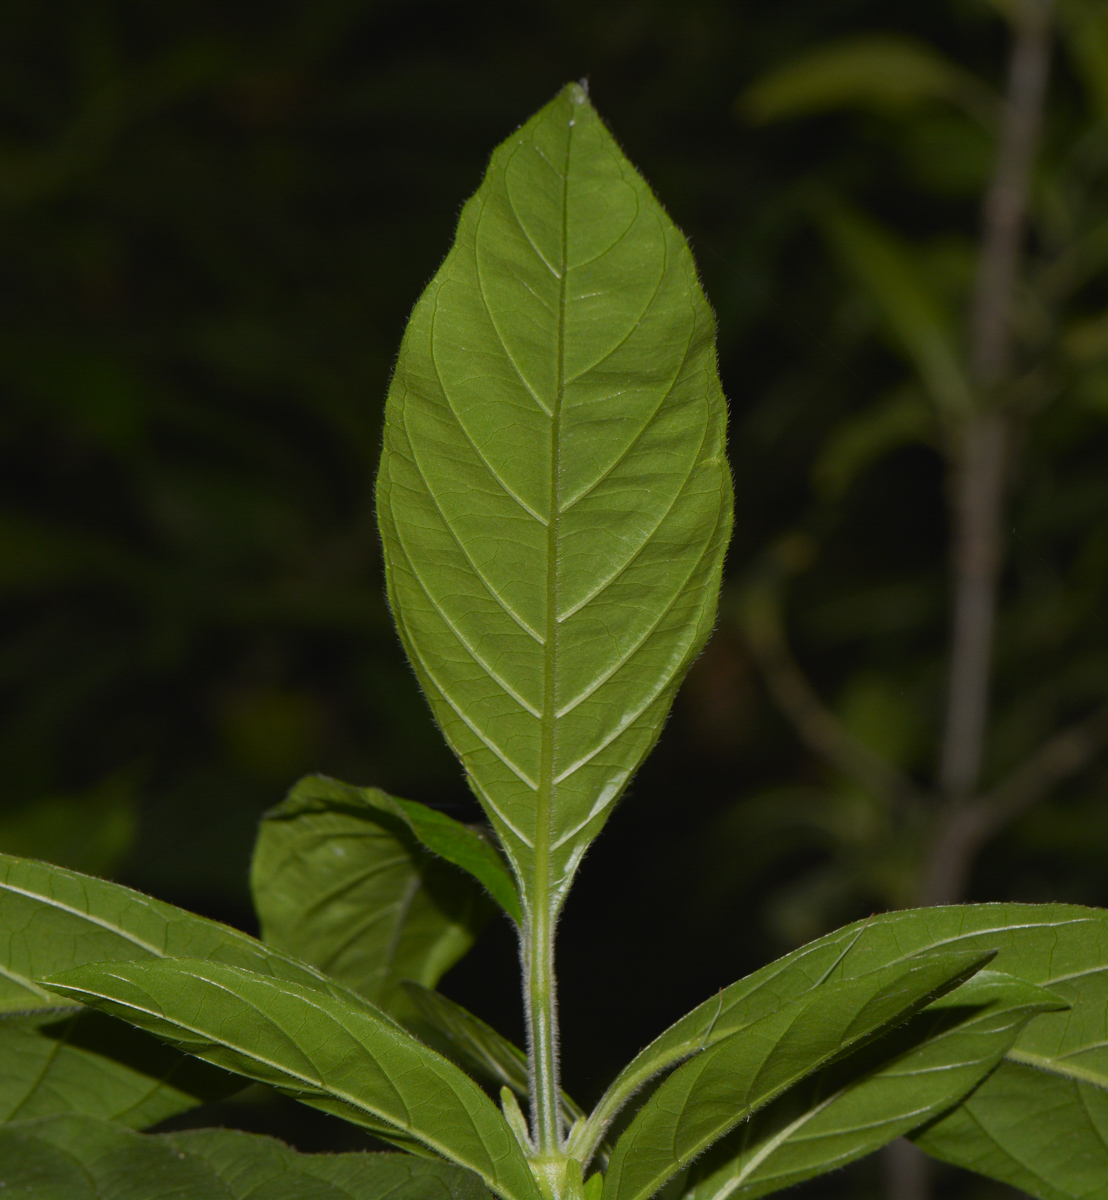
542 1032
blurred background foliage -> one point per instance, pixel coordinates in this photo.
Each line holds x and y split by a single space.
214 219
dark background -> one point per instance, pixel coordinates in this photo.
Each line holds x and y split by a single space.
214 220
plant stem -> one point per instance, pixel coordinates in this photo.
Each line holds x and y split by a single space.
542 1032
979 502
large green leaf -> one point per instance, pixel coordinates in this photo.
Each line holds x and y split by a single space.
52 920
1037 943
724 1084
85 1062
75 1158
1040 1122
553 497
340 881
327 1050
855 1106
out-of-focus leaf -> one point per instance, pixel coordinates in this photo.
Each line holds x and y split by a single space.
96 1066
75 1158
1037 943
913 315
723 1085
553 496
884 1090
340 882
1084 25
901 418
327 1050
52 919
92 831
875 72
1040 1121
1087 341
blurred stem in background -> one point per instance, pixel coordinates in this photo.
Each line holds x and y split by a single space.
978 405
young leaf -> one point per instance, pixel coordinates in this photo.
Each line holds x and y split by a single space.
854 1107
85 1062
1024 935
340 882
75 1158
478 1046
465 848
328 1051
1040 1121
708 1096
553 496
52 919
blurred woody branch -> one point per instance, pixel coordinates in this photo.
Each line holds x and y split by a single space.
969 391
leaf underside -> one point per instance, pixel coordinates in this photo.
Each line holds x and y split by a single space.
1058 946
84 1062
77 1158
331 1051
709 1095
340 882
854 1107
1040 1121
553 496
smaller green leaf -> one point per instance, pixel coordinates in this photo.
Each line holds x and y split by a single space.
477 1046
76 1158
708 1096
464 847
329 1051
88 1063
341 882
875 72
882 1091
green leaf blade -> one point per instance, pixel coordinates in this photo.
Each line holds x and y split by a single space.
888 1088
52 920
75 1158
1040 1121
326 1050
701 1101
553 498
340 882
83 1062
1036 943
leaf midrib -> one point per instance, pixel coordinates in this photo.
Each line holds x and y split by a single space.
544 797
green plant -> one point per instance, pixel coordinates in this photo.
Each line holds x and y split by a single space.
554 504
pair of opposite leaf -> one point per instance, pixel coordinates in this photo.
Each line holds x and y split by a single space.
554 505
772 1030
